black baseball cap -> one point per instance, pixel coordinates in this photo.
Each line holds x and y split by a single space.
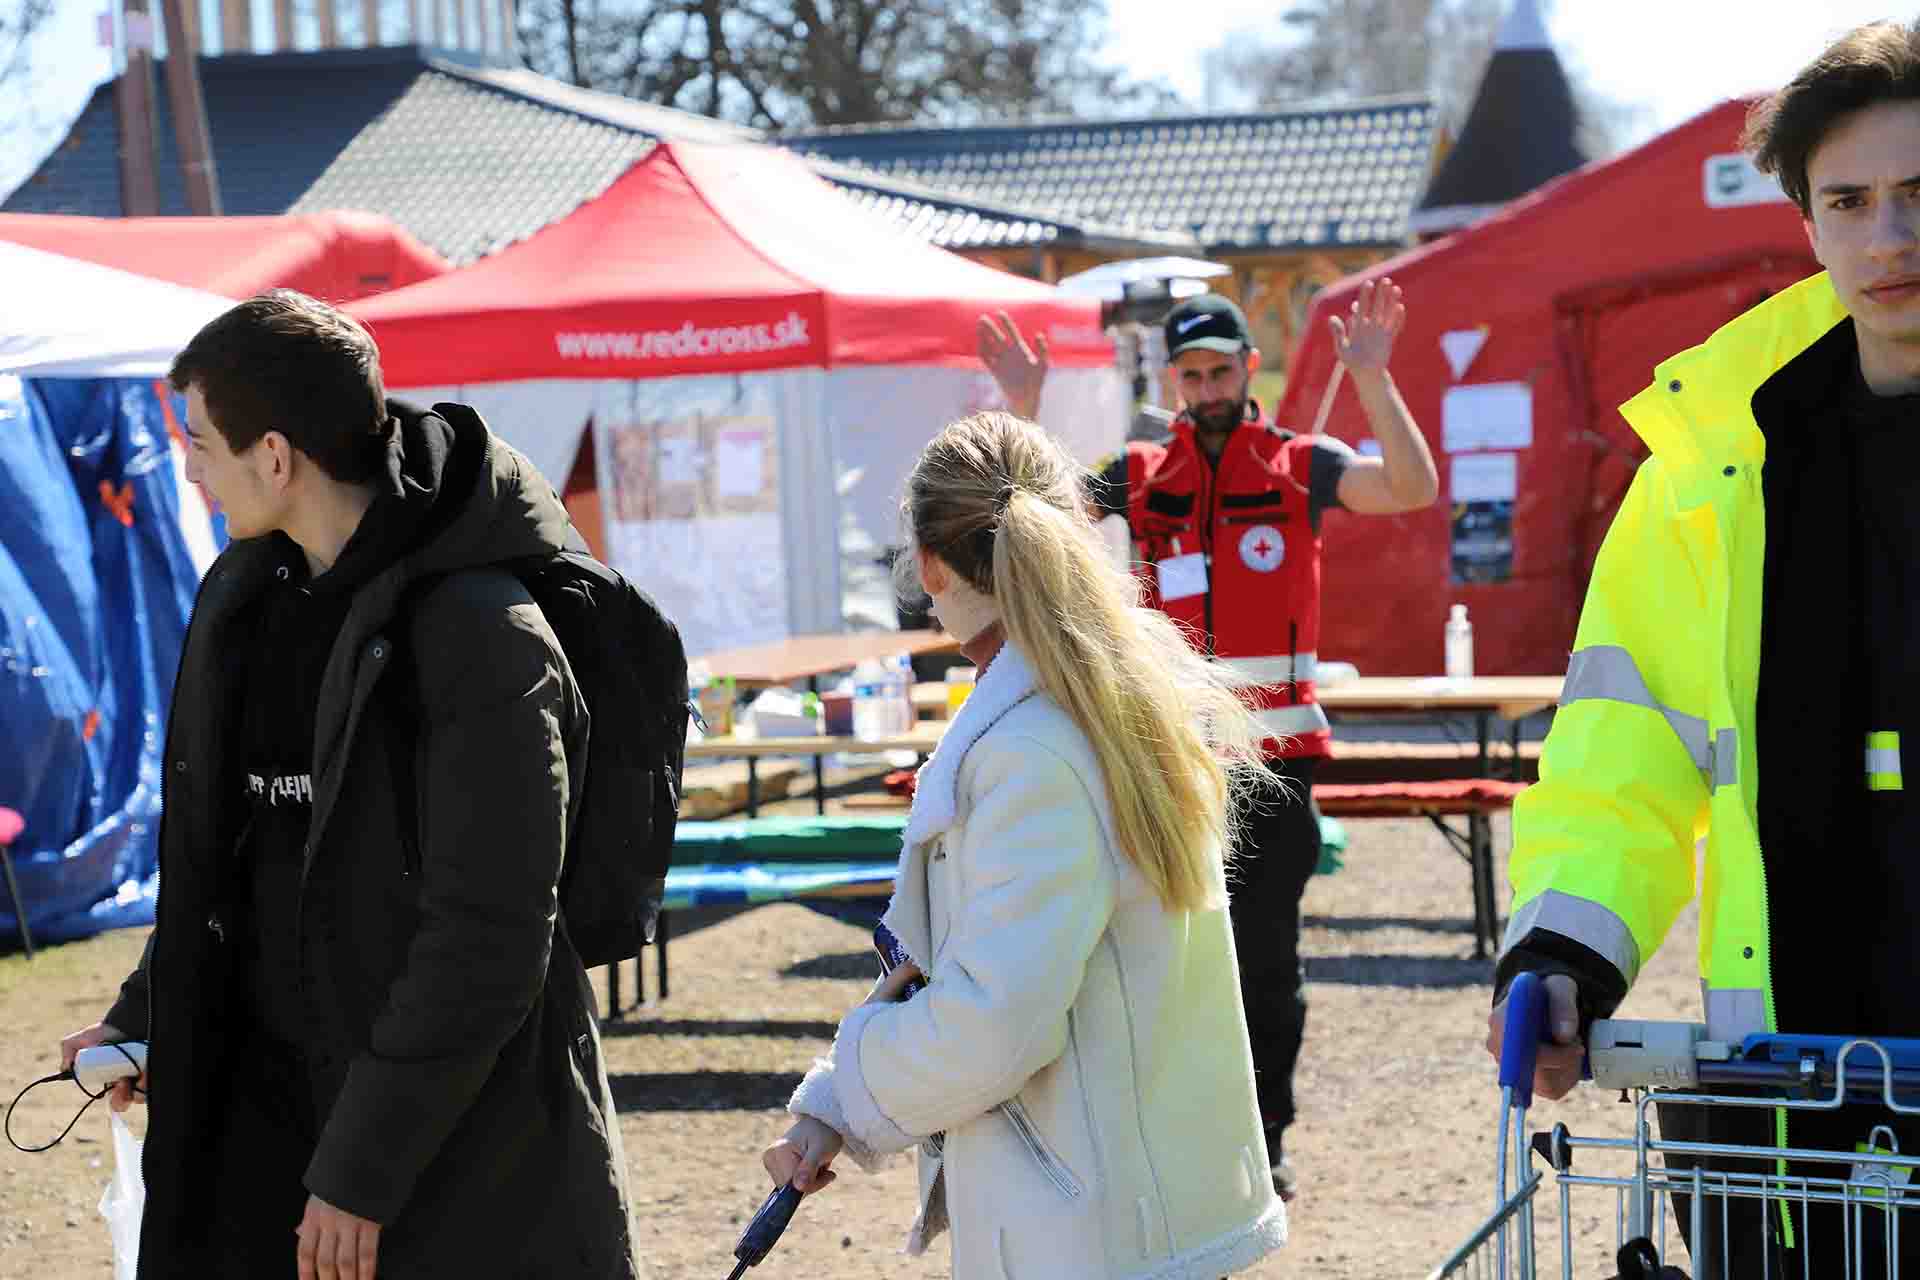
1207 322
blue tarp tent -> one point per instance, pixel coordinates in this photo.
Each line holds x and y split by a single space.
96 582
101 549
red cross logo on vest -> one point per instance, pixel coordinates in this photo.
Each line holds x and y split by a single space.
1262 548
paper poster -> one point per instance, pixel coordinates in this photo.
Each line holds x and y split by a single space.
739 465
697 465
1489 415
689 483
1484 477
679 460
1482 542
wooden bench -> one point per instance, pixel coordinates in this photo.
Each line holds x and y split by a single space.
1475 799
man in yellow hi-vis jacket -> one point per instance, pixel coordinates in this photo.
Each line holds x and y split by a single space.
1747 666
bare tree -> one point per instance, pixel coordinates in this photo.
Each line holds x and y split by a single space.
19 19
1342 49
796 63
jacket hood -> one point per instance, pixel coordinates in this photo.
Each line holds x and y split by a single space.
1698 412
479 500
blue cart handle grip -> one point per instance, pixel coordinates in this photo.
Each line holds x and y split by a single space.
1526 1024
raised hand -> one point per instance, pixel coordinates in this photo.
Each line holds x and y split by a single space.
1017 368
1364 340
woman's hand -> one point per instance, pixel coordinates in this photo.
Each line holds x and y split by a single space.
802 1155
888 989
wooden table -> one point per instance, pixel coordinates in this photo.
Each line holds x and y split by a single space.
921 741
797 658
810 657
1511 698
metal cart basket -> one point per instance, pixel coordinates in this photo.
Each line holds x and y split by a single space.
1760 1210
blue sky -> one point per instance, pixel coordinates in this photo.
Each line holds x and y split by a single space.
1673 57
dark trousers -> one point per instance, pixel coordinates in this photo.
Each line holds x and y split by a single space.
1275 857
1739 1239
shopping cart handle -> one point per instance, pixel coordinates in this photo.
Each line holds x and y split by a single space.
1526 1024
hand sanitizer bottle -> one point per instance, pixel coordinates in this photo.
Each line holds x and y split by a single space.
1459 644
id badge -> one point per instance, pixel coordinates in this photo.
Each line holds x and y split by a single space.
1182 576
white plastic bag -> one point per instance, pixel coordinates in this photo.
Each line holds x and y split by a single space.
122 1203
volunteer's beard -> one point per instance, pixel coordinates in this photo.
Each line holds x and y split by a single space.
1219 417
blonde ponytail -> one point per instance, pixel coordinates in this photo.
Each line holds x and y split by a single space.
1001 503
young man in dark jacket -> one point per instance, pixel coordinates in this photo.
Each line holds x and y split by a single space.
371 1042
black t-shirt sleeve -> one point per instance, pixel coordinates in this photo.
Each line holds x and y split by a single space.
1107 486
1331 458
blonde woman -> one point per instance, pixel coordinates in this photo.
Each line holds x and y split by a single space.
1076 1071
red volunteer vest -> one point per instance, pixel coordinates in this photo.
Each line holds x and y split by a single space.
1143 459
1239 566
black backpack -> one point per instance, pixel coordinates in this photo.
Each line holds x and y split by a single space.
631 668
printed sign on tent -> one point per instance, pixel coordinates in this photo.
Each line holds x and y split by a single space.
1485 477
1733 182
1461 346
1488 415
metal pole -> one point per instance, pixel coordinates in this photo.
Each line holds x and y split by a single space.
133 101
189 108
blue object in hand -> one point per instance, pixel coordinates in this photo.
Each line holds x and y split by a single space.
892 956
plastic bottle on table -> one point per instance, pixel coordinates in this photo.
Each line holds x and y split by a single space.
900 694
1459 641
870 713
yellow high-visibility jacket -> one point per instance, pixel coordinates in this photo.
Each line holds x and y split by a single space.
1652 747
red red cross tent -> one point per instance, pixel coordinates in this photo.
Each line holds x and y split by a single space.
760 361
335 256
1525 333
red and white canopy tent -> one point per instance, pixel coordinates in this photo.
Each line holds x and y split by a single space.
760 361
336 256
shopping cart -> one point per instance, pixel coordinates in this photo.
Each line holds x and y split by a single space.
1839 1213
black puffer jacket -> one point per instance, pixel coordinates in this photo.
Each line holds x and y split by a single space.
458 1083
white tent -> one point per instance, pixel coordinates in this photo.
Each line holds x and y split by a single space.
64 318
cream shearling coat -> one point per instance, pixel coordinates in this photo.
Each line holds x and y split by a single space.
1083 1050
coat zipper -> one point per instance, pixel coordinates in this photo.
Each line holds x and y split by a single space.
1051 1165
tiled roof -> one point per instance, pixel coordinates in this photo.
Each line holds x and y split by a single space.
471 158
277 121
471 168
1331 176
954 222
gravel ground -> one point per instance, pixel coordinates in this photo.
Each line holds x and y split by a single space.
1394 1146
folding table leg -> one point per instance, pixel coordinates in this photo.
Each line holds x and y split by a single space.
1486 914
613 991
660 959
